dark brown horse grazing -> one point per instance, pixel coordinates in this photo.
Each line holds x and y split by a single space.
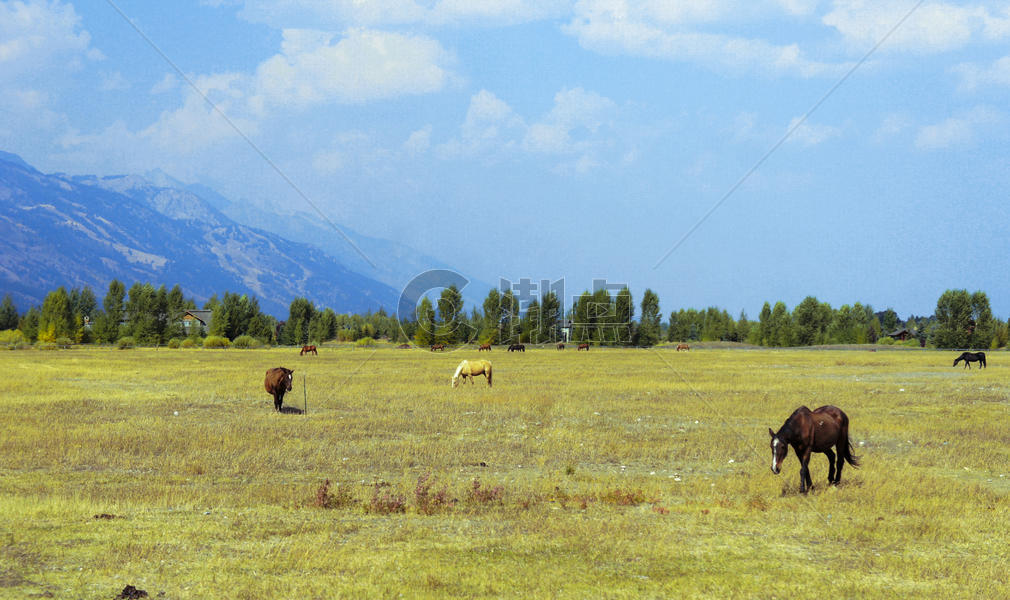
683 346
583 346
816 431
484 347
308 350
403 347
517 348
970 357
561 346
439 347
278 382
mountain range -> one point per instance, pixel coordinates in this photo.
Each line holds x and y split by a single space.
59 230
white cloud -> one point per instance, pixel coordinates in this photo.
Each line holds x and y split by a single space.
892 125
36 34
956 131
418 141
168 83
974 76
574 110
811 134
363 65
373 13
676 31
933 27
113 82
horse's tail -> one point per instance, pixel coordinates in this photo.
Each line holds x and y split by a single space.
846 449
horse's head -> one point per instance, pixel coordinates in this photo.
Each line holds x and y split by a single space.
288 377
779 451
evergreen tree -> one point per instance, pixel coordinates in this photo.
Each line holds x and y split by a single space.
57 318
955 316
764 325
424 335
510 318
550 317
492 317
812 320
889 321
649 327
450 315
8 314
624 315
29 323
296 329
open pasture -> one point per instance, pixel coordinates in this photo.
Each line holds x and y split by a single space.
612 473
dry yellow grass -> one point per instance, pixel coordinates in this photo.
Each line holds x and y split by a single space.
613 473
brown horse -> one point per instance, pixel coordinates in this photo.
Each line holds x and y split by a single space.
278 381
583 346
814 431
682 346
308 350
439 347
561 346
403 347
484 347
471 368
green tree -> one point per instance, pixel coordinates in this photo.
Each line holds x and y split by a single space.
531 331
29 323
510 318
424 335
624 316
812 320
780 326
649 327
492 317
889 321
296 329
450 316
963 320
764 337
57 318
8 314
550 317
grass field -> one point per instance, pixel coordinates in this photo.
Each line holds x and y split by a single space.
607 474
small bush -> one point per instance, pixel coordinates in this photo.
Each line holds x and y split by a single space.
13 339
174 343
624 498
332 499
364 342
385 502
64 342
428 503
478 495
188 343
886 341
246 341
47 346
216 341
912 343
125 343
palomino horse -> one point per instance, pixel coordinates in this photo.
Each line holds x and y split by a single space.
814 431
308 350
484 347
682 346
517 348
440 347
583 346
277 382
471 368
561 345
970 357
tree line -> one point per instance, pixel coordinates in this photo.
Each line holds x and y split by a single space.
153 315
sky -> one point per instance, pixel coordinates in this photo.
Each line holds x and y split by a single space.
659 144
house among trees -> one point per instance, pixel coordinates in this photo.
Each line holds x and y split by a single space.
901 335
196 321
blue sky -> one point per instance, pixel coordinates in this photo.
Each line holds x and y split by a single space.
552 138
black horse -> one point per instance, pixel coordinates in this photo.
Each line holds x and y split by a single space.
517 348
970 357
814 431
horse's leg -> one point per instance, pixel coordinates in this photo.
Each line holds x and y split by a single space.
277 402
805 482
841 447
831 465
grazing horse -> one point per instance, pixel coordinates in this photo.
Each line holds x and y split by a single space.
683 346
970 357
583 346
517 348
484 347
278 382
816 431
561 346
440 347
403 347
308 350
472 368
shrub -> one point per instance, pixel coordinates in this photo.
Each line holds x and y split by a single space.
246 341
47 346
188 343
13 339
365 341
428 503
216 341
174 343
126 342
64 342
326 499
478 495
886 341
385 502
